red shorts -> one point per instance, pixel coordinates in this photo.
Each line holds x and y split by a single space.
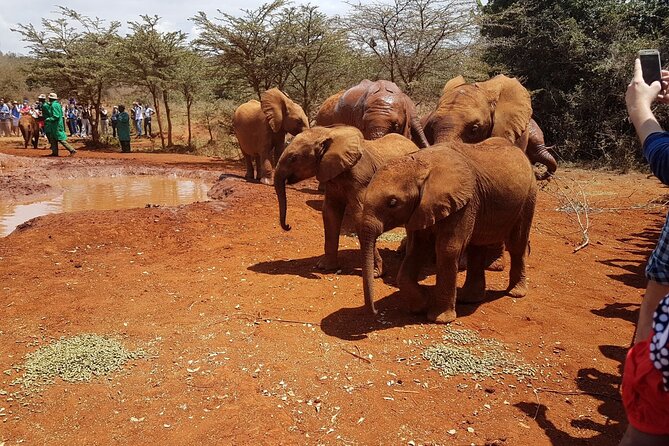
646 402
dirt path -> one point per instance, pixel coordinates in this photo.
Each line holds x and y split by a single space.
251 345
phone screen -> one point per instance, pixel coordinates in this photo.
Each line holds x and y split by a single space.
650 66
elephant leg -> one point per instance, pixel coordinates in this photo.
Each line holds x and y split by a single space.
333 214
265 169
474 288
449 246
494 260
518 244
407 277
249 167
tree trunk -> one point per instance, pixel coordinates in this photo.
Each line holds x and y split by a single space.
169 117
154 95
189 102
211 134
95 134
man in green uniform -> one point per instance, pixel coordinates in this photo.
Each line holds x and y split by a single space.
53 125
123 129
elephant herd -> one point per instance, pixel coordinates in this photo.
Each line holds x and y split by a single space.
461 180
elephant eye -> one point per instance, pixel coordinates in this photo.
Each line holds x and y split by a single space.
475 128
392 202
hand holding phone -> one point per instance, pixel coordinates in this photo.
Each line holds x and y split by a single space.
651 66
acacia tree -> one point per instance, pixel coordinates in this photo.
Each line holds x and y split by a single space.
74 55
150 57
249 46
192 80
408 37
316 50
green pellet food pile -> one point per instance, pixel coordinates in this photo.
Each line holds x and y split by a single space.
465 352
74 359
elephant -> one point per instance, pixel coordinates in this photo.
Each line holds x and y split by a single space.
500 106
344 162
261 129
376 109
30 130
451 197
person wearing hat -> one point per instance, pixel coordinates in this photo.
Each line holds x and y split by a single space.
39 109
54 126
123 129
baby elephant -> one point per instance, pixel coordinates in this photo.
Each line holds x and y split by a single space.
29 131
451 197
343 161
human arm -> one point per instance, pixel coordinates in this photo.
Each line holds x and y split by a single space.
639 98
655 292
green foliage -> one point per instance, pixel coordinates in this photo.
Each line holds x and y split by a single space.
74 55
14 78
576 57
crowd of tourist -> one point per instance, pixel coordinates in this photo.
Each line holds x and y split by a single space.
79 118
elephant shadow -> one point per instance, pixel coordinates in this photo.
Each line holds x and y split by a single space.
306 267
354 324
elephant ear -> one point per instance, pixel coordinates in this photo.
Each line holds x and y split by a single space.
512 104
447 187
273 104
338 152
453 84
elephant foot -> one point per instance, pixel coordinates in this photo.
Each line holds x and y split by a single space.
441 317
497 264
518 290
416 301
327 264
378 271
266 181
471 294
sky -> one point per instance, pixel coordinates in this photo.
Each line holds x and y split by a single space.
174 13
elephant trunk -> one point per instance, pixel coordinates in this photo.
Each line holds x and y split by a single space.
540 154
368 247
418 133
280 188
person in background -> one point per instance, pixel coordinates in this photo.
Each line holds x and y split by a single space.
38 113
72 115
148 113
104 116
54 125
139 117
16 115
123 129
86 130
114 120
5 119
645 388
25 108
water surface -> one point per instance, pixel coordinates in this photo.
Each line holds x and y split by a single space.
103 193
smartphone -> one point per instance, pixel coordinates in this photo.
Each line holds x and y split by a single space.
650 66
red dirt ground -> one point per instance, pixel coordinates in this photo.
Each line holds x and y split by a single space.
250 344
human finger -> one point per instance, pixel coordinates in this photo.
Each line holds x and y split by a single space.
638 72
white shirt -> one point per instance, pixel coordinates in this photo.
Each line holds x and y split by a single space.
148 112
